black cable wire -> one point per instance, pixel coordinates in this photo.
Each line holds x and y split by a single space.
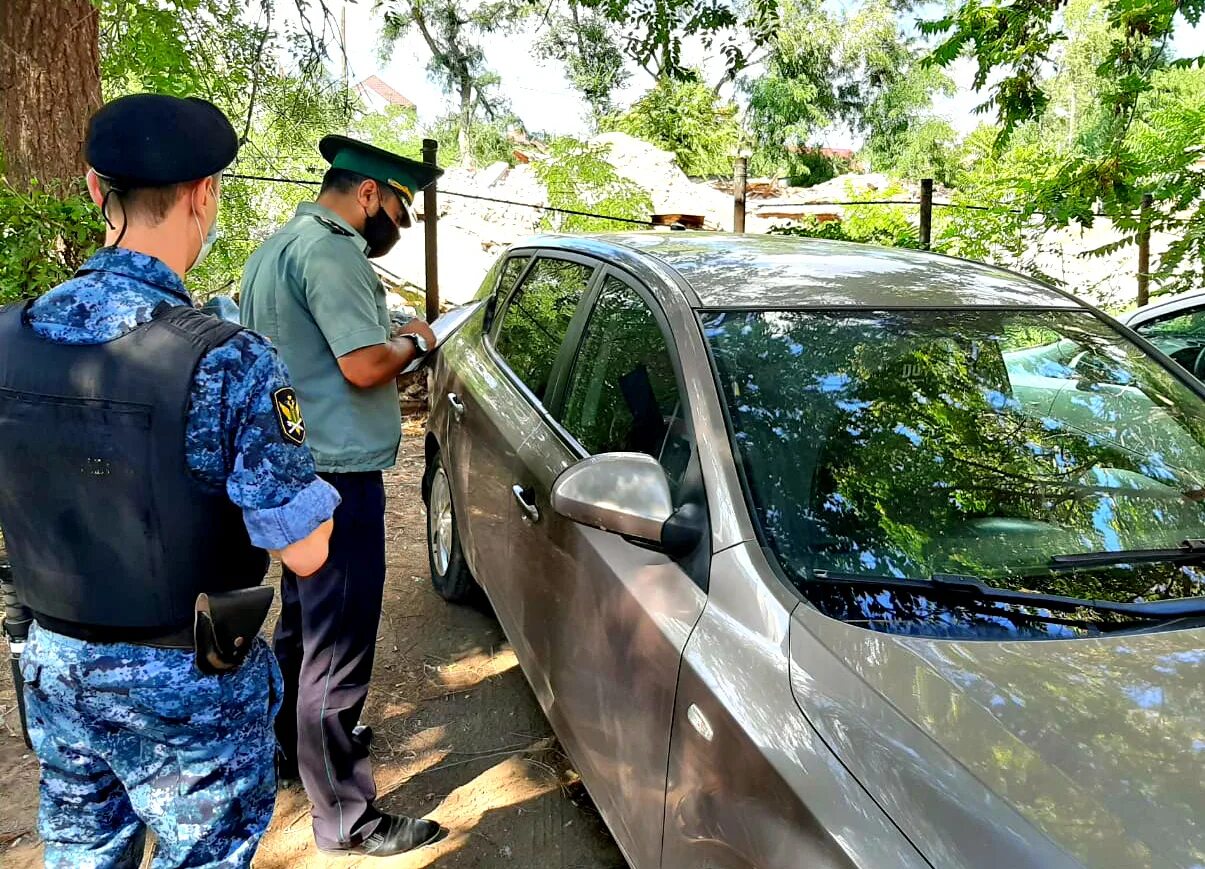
935 204
242 177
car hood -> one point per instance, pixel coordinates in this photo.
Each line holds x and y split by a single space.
973 747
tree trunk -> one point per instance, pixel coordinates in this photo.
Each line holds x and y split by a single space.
49 86
465 125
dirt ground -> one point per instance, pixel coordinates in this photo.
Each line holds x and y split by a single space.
458 736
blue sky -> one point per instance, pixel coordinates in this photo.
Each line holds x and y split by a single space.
539 94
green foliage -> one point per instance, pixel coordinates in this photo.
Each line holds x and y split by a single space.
861 70
887 225
653 31
279 100
1117 61
804 167
926 149
795 97
395 129
43 239
453 31
578 177
688 119
584 42
487 140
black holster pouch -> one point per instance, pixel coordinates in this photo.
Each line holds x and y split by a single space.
226 625
17 619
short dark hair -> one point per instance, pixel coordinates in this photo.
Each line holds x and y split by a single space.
150 204
346 181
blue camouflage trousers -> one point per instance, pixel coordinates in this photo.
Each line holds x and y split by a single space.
131 737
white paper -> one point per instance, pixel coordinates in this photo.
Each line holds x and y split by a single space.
443 327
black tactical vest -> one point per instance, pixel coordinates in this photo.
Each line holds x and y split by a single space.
105 525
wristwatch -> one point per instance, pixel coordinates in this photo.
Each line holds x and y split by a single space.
419 341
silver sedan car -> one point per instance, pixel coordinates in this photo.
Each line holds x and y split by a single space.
825 555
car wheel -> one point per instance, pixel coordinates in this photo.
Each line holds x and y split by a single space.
449 573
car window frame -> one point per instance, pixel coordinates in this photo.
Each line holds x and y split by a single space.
494 299
573 339
490 338
1142 327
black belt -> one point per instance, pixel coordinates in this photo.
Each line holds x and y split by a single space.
179 637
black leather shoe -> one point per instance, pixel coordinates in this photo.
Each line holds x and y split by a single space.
395 834
362 733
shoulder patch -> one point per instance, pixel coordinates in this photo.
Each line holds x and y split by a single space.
331 225
288 414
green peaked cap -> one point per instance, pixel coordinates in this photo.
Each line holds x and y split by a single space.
404 175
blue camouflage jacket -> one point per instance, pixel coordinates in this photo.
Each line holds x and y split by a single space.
233 438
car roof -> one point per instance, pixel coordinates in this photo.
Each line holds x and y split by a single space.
1164 305
769 271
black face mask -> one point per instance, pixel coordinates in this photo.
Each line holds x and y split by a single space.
380 232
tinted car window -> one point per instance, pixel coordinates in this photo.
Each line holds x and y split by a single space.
622 395
1181 337
976 442
510 269
537 318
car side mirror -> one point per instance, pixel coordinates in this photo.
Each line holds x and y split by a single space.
623 493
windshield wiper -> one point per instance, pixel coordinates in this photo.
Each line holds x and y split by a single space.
1189 550
972 588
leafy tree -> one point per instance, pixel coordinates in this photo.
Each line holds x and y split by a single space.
1004 233
489 141
688 119
1011 44
50 86
453 30
795 97
888 96
927 148
578 177
653 31
270 80
583 40
823 68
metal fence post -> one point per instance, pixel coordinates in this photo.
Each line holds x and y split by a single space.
430 220
1144 250
926 213
740 175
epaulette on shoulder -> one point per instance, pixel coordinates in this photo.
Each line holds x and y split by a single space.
331 225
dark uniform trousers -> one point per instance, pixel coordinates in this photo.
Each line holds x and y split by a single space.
325 641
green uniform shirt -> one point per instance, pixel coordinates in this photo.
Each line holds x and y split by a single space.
311 291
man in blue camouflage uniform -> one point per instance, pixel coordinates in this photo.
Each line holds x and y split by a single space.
132 735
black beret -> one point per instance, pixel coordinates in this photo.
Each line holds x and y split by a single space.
151 140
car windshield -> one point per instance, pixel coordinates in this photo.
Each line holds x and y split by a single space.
979 442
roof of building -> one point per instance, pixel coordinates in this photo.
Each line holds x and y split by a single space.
387 93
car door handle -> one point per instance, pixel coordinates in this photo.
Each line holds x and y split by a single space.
456 404
527 500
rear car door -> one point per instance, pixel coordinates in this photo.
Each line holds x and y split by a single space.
606 620
521 350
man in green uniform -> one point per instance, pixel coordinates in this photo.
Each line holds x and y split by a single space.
311 290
